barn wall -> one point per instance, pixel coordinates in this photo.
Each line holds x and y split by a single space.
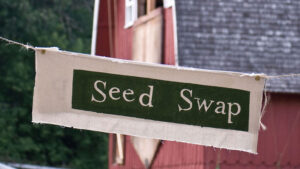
123 49
131 160
278 146
112 39
168 48
102 41
175 155
170 155
123 41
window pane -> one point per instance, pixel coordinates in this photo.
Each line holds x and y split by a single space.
128 13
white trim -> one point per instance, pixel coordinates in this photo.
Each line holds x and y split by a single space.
133 4
168 3
175 34
95 26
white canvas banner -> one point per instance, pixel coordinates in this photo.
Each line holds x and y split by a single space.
211 108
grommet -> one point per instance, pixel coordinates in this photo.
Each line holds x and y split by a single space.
257 78
43 51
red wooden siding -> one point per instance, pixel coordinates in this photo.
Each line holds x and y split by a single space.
170 154
168 48
122 38
102 41
131 159
177 155
112 39
278 146
123 41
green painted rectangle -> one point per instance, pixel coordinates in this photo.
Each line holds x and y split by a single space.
161 100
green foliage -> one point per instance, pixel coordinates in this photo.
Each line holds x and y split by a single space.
63 23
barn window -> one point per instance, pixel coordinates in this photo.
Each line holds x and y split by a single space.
138 8
130 12
146 6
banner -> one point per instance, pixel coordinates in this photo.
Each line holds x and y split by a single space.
212 108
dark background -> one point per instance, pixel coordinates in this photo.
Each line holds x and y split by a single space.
67 25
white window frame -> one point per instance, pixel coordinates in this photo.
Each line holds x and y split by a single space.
131 8
169 3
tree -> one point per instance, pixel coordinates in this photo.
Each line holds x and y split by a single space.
62 23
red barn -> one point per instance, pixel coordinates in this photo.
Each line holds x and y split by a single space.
243 36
